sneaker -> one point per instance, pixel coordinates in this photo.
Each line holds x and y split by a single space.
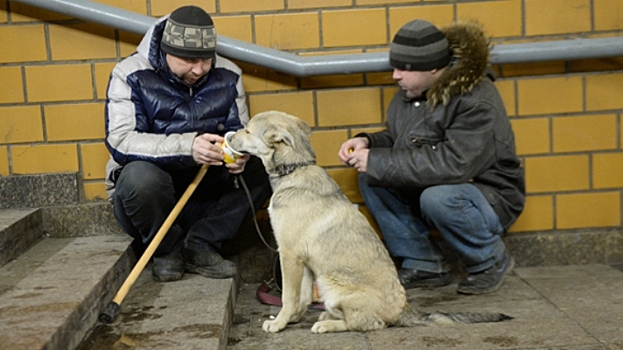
208 264
168 267
422 279
489 280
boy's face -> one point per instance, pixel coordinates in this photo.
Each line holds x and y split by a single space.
414 82
189 69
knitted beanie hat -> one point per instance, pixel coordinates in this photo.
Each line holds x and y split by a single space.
189 33
419 46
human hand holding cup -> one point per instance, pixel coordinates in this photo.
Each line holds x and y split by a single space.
229 154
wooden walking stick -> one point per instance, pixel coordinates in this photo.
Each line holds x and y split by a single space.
110 312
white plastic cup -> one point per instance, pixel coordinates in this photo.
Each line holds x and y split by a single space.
230 155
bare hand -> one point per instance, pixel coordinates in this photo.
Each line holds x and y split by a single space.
207 149
238 166
358 159
354 153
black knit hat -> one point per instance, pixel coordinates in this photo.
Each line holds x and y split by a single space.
189 33
419 46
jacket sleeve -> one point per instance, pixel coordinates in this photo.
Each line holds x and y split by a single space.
124 112
465 150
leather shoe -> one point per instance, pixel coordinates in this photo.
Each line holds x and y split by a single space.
422 279
168 267
208 264
489 280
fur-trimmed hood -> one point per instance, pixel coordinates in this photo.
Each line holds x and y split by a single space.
470 49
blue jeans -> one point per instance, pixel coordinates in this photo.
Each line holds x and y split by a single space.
145 194
461 214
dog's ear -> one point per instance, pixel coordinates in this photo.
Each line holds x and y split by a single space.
276 134
302 125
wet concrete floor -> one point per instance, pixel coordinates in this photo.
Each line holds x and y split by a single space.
567 307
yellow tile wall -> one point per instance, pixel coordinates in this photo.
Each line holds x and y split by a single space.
236 27
387 94
82 42
26 13
337 80
538 215
354 27
348 107
260 79
326 144
95 191
20 124
499 18
43 82
439 15
585 133
507 91
102 74
128 43
558 173
160 8
608 14
603 92
229 6
299 104
549 95
75 122
532 69
546 17
137 6
597 65
566 114
3 14
288 31
584 210
381 2
27 43
53 158
4 161
309 4
94 157
11 76
607 170
531 135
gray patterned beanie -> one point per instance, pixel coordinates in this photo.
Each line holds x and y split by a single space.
189 33
419 46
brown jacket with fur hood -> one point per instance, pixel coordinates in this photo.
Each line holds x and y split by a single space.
458 133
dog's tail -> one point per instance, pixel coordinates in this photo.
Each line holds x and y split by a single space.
410 317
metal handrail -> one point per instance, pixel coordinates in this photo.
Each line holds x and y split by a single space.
289 63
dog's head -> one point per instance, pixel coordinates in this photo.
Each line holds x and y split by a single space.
277 138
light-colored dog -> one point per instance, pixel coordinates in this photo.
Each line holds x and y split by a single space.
323 237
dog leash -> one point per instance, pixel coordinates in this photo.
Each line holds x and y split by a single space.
257 226
263 290
265 297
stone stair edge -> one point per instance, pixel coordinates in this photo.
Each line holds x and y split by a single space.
115 258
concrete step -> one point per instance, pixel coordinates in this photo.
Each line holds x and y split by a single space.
53 286
19 230
51 295
193 313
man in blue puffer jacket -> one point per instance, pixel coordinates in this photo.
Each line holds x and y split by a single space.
167 109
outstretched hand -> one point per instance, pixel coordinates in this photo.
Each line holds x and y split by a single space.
354 153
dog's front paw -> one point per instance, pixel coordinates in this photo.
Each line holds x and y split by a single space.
329 326
272 326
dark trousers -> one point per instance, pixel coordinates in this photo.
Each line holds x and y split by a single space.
145 194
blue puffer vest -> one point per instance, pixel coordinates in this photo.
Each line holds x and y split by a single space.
160 103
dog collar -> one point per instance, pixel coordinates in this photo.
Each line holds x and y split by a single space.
287 169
